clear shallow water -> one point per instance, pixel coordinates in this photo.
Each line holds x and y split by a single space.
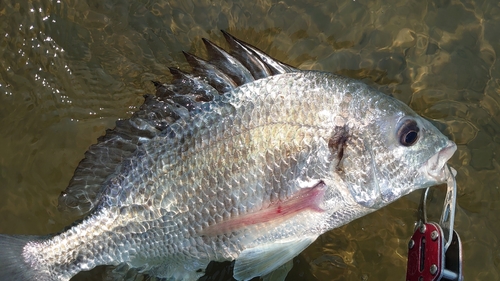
69 69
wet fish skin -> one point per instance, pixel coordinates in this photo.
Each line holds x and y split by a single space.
254 176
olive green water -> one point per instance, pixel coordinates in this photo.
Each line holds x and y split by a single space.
69 69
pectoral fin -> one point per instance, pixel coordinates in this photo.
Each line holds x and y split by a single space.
307 199
263 259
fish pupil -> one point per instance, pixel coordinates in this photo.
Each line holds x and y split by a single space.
411 137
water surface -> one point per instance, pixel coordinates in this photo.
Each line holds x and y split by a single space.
70 69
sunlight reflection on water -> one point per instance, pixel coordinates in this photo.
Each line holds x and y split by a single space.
69 69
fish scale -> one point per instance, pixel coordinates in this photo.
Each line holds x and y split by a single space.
253 175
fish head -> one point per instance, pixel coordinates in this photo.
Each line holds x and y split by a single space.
393 153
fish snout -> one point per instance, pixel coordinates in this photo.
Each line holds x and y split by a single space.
435 167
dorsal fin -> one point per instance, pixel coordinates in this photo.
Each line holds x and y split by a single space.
228 64
252 57
177 99
213 75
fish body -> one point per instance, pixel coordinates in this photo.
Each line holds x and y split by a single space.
254 171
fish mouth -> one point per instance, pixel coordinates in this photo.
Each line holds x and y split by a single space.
435 167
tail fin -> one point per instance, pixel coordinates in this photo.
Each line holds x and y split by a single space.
12 263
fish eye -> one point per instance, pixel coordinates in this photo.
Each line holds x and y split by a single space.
408 132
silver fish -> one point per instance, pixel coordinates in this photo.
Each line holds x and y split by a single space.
245 159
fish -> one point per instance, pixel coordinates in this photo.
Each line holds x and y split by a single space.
244 159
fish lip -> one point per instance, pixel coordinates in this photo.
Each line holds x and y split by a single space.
435 167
